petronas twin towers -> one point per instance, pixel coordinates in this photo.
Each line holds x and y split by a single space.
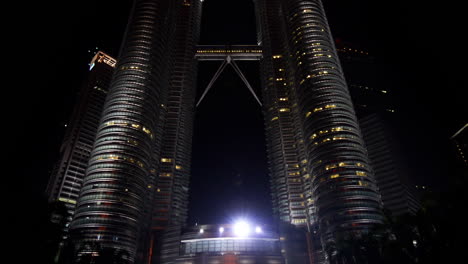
134 196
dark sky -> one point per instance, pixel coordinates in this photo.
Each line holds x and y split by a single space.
419 47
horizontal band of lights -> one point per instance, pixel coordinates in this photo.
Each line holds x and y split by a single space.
229 51
228 238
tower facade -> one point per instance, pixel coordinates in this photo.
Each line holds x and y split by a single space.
391 173
460 140
172 182
114 207
375 109
67 177
320 171
134 195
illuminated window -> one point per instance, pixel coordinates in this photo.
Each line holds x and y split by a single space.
299 221
178 167
361 173
334 176
284 109
323 132
275 118
65 200
318 109
277 56
165 174
361 183
283 99
338 138
147 131
166 160
336 129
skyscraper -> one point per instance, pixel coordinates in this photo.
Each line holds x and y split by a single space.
391 171
67 176
134 194
363 75
114 207
333 187
171 199
137 179
376 112
461 145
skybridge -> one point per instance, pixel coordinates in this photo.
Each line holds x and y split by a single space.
236 52
228 54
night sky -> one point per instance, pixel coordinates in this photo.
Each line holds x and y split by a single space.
421 57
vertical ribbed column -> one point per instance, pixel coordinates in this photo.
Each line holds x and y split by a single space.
173 180
111 207
177 136
342 183
289 177
281 128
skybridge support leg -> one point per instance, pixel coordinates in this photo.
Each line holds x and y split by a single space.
241 75
236 68
215 77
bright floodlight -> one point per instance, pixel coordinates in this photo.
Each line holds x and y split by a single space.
221 230
241 229
201 230
258 230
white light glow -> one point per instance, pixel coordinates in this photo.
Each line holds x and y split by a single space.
258 230
201 230
241 229
221 230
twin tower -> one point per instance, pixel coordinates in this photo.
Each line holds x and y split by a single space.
134 196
